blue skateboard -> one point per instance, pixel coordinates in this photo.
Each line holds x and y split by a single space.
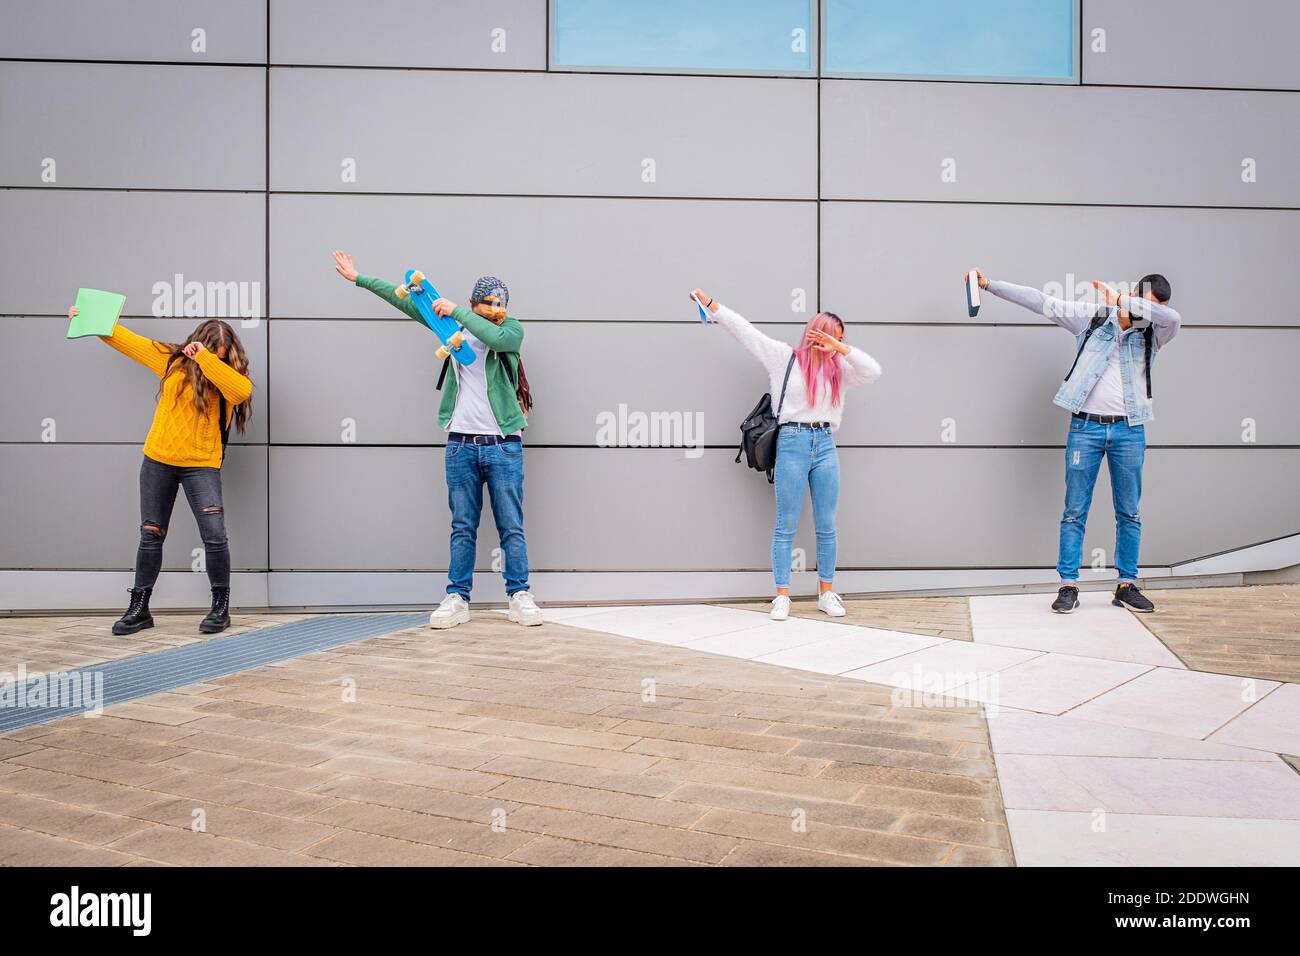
448 330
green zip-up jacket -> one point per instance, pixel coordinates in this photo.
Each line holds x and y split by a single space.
503 342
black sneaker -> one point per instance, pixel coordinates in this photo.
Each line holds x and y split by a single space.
1067 599
1128 595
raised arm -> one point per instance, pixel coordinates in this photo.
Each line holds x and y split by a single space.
147 352
764 348
1073 316
385 290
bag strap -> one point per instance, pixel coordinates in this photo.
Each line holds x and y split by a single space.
224 425
442 376
1146 333
1097 322
771 479
784 383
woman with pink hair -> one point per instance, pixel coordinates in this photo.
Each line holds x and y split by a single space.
806 456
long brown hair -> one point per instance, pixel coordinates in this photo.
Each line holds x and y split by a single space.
214 334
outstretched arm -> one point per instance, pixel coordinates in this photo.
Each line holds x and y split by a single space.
1072 316
764 348
380 287
147 352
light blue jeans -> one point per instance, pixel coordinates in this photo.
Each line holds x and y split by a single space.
468 468
1124 448
806 460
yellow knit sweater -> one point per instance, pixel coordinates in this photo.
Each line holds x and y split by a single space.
181 435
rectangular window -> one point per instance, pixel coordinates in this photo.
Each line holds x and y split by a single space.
1027 41
686 36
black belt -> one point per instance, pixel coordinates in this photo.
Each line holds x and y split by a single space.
480 439
1101 419
806 425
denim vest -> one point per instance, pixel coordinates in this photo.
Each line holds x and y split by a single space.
1092 362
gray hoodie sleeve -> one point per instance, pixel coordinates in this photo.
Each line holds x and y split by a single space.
1073 316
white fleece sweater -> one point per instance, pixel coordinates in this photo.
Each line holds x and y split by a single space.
859 369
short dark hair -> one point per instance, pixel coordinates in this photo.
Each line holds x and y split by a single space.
1155 284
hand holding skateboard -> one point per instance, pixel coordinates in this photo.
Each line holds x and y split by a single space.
436 312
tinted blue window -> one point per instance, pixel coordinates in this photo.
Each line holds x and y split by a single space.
994 39
744 36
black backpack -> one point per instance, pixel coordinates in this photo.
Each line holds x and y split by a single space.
759 431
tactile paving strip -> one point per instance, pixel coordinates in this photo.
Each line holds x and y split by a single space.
160 671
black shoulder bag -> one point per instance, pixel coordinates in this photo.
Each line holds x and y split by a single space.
759 431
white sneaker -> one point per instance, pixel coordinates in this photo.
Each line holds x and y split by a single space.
830 602
453 610
780 607
524 610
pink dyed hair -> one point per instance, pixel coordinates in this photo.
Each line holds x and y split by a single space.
818 367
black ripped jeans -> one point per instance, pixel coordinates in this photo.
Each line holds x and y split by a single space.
158 484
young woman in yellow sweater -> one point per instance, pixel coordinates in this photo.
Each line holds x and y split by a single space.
204 389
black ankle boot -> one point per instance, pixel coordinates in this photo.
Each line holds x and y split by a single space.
137 616
218 618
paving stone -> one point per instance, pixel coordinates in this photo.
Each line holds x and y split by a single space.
544 729
366 849
250 826
627 834
184 847
552 851
869 844
63 820
414 827
27 848
604 802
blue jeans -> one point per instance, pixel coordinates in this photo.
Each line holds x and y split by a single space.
1124 448
806 459
501 467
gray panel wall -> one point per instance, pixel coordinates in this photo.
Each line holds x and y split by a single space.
469 34
1058 144
233 31
777 195
93 120
639 258
1245 44
511 133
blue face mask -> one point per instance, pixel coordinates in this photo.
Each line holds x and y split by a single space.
490 286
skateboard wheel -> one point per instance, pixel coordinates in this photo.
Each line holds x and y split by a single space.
417 277
401 292
457 340
442 354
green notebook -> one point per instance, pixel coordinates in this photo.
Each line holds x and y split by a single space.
97 313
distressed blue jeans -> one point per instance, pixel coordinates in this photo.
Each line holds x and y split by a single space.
468 468
1124 448
806 461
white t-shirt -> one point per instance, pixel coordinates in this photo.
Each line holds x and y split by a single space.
473 413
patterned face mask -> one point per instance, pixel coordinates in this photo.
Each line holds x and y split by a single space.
490 286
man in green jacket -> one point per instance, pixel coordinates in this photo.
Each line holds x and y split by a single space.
484 409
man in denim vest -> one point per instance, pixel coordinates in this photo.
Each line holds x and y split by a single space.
1108 393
